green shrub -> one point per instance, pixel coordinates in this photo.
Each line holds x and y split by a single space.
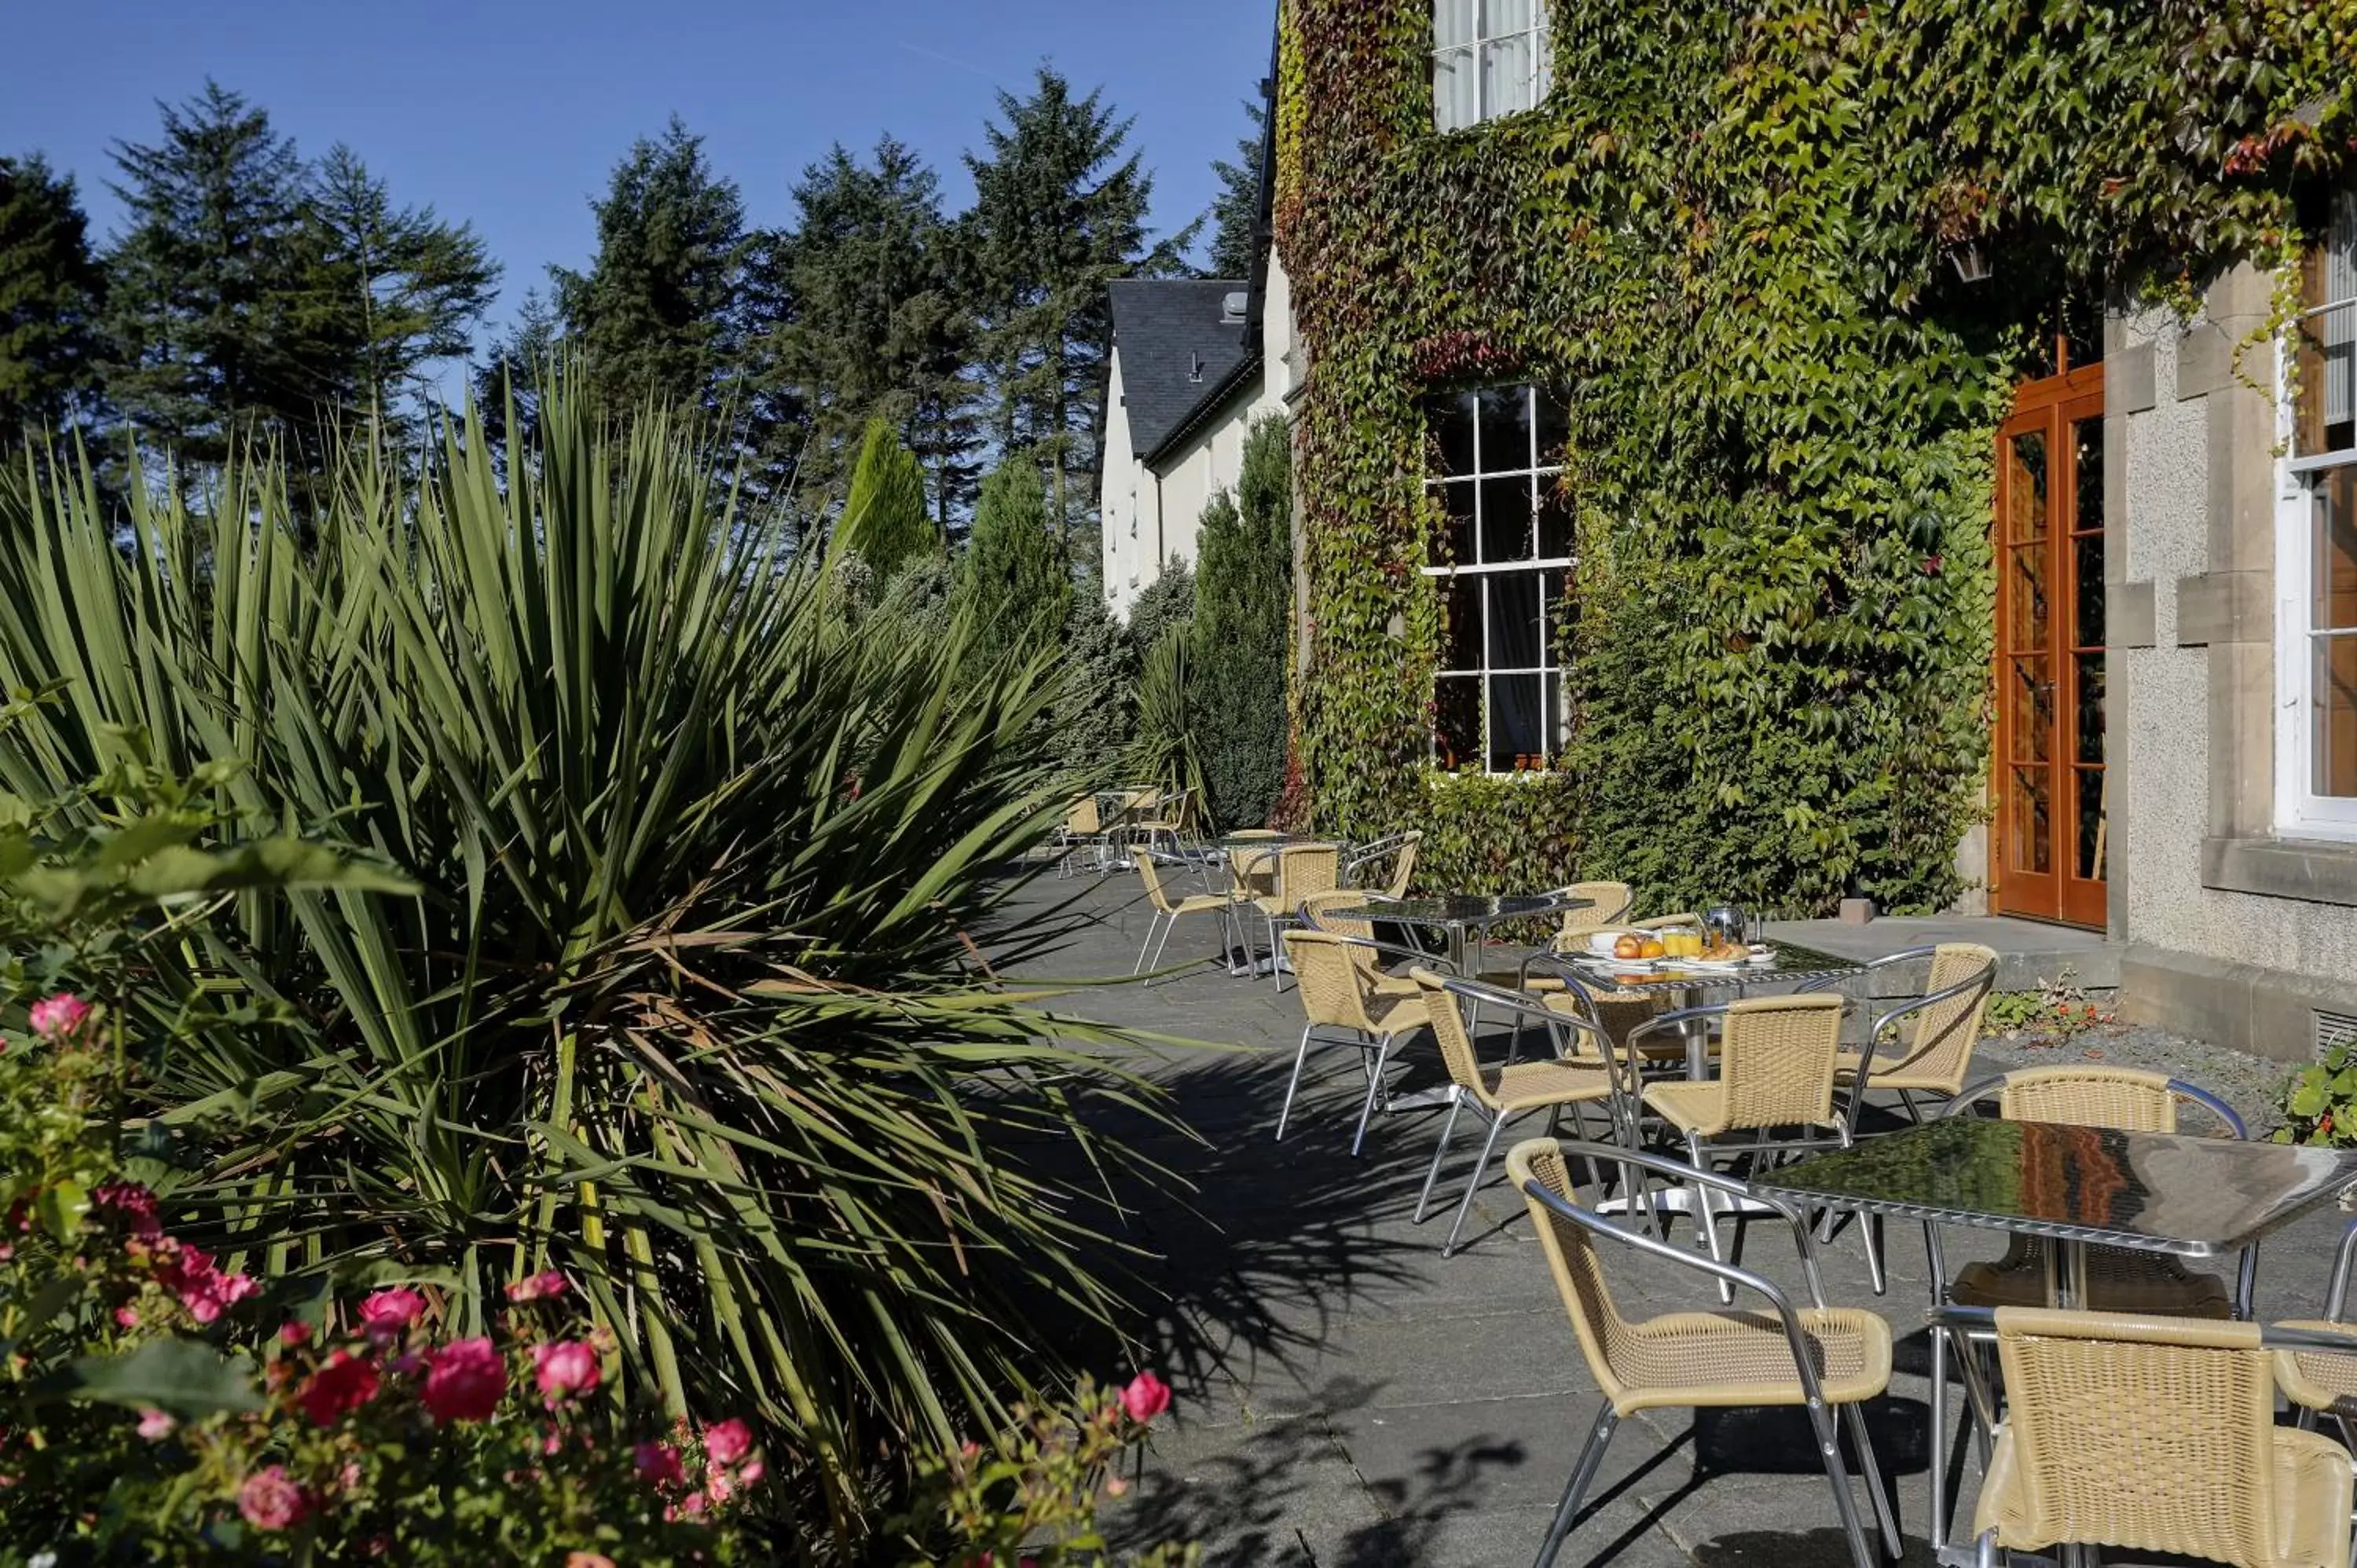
1015 581
1242 611
1168 601
1164 752
1096 703
2320 1101
885 518
682 1009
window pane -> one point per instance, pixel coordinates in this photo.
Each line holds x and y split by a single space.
1454 88
2328 340
1456 538
1506 76
1557 611
1555 522
1452 421
2336 549
1505 416
1457 721
1505 520
1514 620
2335 716
1461 643
1500 17
1517 738
1558 718
1452 23
1554 431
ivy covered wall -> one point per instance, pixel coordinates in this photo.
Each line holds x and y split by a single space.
1723 243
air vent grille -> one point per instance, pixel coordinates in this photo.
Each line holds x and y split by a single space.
2334 1029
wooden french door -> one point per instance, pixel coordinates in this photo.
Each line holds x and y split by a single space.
2051 837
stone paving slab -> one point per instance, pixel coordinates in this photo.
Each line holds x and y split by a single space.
1348 1396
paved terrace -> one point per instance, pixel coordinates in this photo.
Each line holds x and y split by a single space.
1346 1398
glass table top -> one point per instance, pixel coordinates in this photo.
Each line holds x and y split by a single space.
1463 908
2156 1192
1793 961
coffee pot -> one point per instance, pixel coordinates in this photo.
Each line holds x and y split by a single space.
1725 922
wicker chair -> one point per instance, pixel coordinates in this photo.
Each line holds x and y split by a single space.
1349 1001
1396 854
1167 913
1571 1077
1938 1057
1163 820
1820 1358
2321 1383
1302 869
2155 1435
1083 829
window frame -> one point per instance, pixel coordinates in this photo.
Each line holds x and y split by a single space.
1539 474
1474 52
2300 812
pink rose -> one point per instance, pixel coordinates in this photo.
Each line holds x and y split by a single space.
658 1464
343 1385
58 1016
717 1482
156 1426
728 1441
388 1314
464 1381
270 1499
295 1333
565 1369
125 1318
134 1204
587 1560
750 1472
545 1286
1147 1397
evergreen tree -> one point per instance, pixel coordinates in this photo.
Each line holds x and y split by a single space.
531 343
50 291
877 329
387 290
1165 604
1243 587
1235 211
1097 704
1016 582
1059 212
885 519
659 315
204 287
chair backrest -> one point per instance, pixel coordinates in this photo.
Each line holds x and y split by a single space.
1608 906
1403 863
1456 1053
1084 818
1945 1031
1777 1058
1303 869
2127 1099
1317 905
2144 1434
1605 1337
1330 980
1151 875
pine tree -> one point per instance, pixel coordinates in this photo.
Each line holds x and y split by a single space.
203 288
1235 211
388 290
885 519
877 329
1014 581
1059 212
1243 587
659 315
50 291
522 354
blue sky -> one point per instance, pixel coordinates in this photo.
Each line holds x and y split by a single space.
511 115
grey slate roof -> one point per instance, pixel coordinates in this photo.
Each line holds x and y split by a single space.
1176 351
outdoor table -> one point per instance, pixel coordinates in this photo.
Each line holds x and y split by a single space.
2073 1187
1793 961
1232 846
1461 914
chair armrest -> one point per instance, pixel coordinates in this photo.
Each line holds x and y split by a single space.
1605 1154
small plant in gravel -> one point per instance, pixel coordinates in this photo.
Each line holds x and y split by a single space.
2320 1102
2058 1007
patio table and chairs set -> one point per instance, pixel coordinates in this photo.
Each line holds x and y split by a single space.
2114 1397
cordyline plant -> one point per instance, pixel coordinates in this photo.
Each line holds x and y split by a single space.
684 1006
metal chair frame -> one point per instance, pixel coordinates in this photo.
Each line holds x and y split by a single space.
1374 1050
1389 848
1985 981
1166 922
2336 1310
1619 1104
1729 1276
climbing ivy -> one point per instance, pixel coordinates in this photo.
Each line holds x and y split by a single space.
1724 240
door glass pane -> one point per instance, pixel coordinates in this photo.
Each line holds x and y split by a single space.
1457 538
1462 649
2091 708
2026 586
2087 557
2030 833
1515 621
2087 475
1506 520
1516 739
2335 570
1457 720
2026 486
2032 694
2335 696
2093 848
